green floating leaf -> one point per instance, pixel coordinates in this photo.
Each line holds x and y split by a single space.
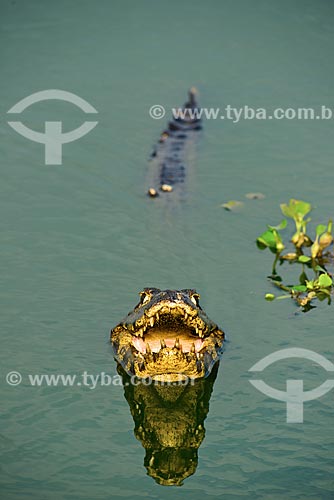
304 258
232 205
321 228
301 207
281 225
287 210
267 239
299 288
296 209
325 281
270 239
319 268
310 284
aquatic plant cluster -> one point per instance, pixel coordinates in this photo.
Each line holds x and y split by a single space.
313 255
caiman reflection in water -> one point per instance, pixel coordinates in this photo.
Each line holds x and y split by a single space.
169 422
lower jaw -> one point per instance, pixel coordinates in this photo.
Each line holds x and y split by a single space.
177 378
169 378
179 371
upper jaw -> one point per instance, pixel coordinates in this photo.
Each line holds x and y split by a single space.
167 311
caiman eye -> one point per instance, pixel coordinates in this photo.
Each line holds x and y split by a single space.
195 298
144 297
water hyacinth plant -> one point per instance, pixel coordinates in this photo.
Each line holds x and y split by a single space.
314 256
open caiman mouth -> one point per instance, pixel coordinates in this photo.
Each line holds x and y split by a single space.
167 336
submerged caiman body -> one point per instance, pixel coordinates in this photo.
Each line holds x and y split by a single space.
167 337
169 157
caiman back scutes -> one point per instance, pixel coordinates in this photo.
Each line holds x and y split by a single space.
170 158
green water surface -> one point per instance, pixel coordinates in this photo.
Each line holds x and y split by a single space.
80 240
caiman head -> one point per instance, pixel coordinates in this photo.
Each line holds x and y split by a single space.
167 337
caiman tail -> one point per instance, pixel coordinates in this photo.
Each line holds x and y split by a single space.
169 157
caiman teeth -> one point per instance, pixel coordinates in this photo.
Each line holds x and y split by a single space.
162 343
177 343
189 319
148 348
192 347
200 333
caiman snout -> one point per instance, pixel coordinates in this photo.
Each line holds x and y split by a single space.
167 336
